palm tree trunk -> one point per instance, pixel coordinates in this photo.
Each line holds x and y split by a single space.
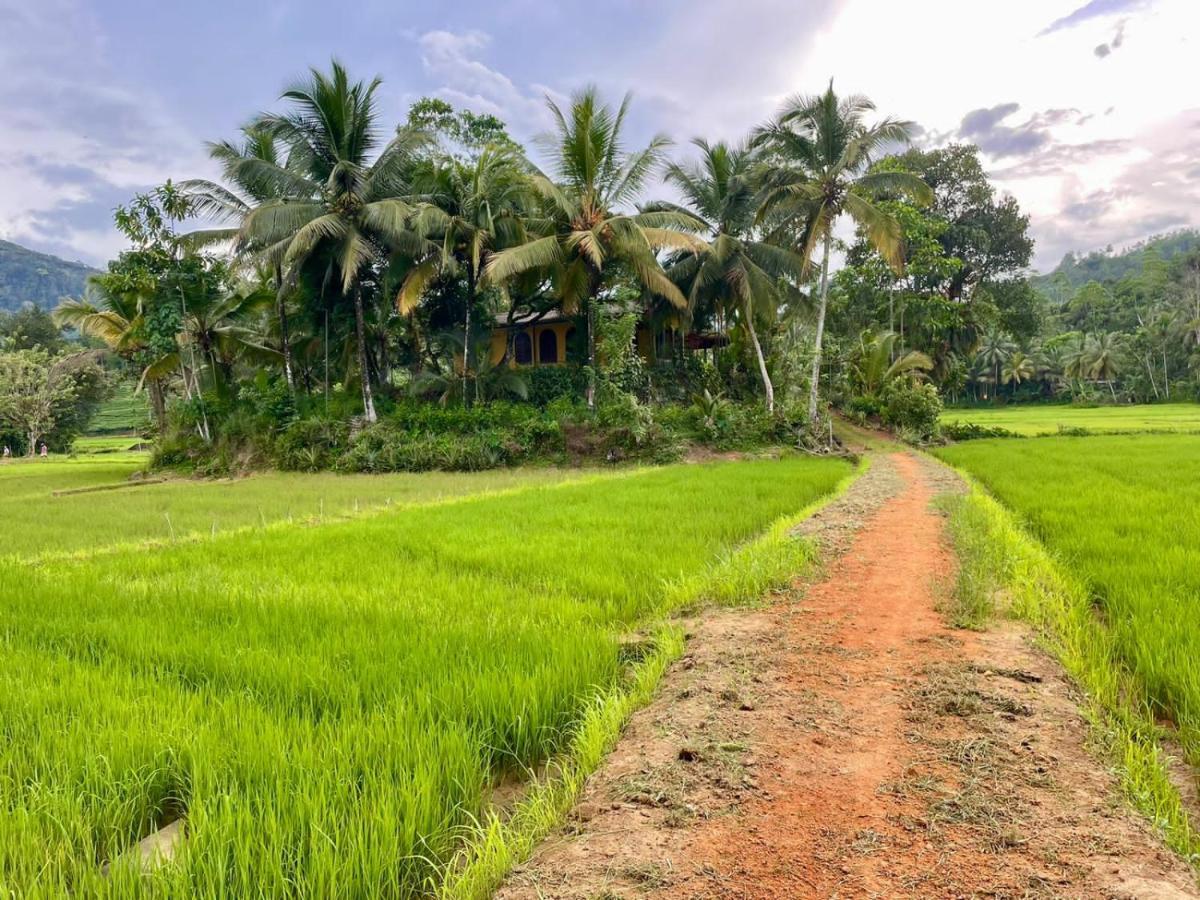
158 405
816 365
284 344
762 363
360 333
467 333
1166 375
591 341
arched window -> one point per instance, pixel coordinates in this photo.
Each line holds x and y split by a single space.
547 346
523 348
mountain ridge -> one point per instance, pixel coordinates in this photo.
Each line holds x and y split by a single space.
27 276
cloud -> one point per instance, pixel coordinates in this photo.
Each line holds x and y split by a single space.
73 140
1103 50
1093 10
984 127
453 58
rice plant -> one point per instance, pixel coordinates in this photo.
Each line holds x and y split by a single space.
327 707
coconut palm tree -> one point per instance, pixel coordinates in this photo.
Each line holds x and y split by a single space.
875 367
817 157
118 320
1104 360
336 204
1018 368
250 172
739 272
994 350
587 229
468 211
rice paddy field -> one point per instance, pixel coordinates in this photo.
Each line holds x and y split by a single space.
325 707
1037 420
1122 514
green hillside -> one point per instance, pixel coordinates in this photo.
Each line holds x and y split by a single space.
30 277
1076 270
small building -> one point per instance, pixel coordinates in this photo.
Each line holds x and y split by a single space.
549 339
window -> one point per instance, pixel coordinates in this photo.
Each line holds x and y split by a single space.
523 348
547 346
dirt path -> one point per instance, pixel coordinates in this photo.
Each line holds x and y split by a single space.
844 742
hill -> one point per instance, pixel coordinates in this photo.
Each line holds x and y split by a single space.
38 278
1076 270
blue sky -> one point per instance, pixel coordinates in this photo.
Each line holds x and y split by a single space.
1086 109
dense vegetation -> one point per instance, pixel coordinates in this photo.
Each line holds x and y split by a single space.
273 685
38 279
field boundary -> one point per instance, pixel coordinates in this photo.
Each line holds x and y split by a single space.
764 563
1000 558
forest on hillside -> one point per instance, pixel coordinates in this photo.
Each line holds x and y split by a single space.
38 278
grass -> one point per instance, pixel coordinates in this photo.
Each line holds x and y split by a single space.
90 444
124 411
37 521
1115 588
328 706
1039 420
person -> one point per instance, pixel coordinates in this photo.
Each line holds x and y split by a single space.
45 450
7 452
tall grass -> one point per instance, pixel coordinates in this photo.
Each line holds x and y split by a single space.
1119 514
327 707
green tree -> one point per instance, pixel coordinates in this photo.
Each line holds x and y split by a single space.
28 328
251 171
336 205
461 134
876 363
993 352
818 153
739 273
469 211
33 386
586 231
1018 368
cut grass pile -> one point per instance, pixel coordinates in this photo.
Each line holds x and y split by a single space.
37 521
1038 420
327 707
1120 513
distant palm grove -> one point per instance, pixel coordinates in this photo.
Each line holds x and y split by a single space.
367 295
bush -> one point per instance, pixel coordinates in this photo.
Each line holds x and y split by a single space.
969 431
550 383
911 410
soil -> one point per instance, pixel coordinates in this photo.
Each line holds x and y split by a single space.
843 741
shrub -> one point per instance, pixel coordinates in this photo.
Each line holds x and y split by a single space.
969 431
912 410
550 383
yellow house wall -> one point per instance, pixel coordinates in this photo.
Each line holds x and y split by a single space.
500 342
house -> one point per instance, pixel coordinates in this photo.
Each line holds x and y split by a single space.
549 339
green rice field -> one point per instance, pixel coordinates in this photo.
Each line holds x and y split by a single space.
325 707
1039 420
124 411
81 505
1122 514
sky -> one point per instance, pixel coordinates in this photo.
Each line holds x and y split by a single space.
1087 111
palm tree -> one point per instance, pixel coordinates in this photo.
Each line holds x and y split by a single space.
335 204
585 229
818 154
470 210
250 170
117 319
1104 362
993 351
1018 368
875 367
738 271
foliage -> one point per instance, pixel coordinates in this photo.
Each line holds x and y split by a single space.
45 399
912 410
30 328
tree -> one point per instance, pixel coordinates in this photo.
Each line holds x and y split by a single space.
586 231
33 385
250 171
1104 360
817 155
877 364
993 352
28 328
336 205
469 211
1018 368
461 135
739 272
